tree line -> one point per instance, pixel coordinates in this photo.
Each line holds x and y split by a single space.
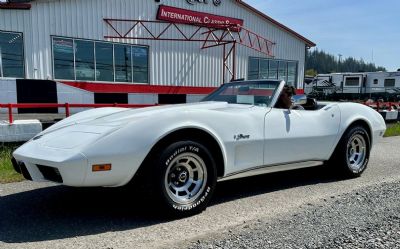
318 62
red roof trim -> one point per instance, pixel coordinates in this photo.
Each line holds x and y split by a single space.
133 88
17 6
280 25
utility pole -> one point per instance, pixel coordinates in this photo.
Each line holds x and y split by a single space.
340 58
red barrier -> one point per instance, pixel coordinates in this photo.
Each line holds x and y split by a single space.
383 105
67 107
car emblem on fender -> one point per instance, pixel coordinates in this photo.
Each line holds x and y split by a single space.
241 136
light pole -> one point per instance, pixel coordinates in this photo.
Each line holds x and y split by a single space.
340 57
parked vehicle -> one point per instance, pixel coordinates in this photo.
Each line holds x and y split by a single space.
180 151
385 85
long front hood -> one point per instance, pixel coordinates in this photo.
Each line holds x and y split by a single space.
86 127
135 114
121 117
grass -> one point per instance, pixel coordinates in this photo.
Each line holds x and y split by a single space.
7 172
392 130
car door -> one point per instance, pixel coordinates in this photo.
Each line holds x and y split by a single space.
300 135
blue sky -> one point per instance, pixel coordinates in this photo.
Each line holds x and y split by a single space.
367 29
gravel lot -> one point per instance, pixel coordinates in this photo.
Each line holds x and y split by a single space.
368 218
299 209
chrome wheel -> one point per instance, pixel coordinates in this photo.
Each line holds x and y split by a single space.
356 153
185 178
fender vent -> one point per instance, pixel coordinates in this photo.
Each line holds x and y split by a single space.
50 173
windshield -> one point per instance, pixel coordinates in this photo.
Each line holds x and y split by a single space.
258 93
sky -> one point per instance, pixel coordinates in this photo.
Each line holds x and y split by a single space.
367 29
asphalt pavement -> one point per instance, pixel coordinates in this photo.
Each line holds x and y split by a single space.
43 215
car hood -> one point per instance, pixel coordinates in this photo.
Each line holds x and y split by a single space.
87 127
135 114
118 117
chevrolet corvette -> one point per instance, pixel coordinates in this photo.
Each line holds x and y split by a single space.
181 151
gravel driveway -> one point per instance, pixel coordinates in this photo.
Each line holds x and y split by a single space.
299 209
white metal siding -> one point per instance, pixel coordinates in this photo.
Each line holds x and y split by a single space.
171 63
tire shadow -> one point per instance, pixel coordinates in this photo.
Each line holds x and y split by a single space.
63 212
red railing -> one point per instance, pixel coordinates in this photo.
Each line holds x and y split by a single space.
67 107
379 106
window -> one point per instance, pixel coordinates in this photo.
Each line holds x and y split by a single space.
352 81
11 55
291 77
140 59
375 81
77 59
253 68
123 63
261 68
63 50
264 69
104 61
282 72
273 70
84 60
390 82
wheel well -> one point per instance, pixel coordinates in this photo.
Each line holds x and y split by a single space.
196 135
364 124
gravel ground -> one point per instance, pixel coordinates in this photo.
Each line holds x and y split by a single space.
367 218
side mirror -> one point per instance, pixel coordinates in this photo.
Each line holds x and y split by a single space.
299 99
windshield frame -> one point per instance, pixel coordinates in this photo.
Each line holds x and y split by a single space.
274 97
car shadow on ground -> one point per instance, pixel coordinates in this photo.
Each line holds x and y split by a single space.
62 212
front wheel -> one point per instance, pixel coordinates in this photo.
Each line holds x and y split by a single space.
186 177
351 155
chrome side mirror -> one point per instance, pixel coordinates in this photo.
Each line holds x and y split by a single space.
299 99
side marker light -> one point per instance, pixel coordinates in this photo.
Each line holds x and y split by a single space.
101 167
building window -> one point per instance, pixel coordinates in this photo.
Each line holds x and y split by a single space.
77 59
264 67
123 63
253 68
282 71
140 62
375 81
260 68
292 73
11 55
63 56
84 60
273 69
390 82
104 61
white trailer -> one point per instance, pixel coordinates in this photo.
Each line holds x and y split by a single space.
369 83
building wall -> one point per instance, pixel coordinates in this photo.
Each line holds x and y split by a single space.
171 63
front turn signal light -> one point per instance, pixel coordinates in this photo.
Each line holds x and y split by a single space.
101 167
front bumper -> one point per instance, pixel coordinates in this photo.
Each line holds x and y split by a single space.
38 163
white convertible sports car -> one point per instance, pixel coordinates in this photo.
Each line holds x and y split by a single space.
181 151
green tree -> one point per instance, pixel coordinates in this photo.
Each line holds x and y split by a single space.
322 62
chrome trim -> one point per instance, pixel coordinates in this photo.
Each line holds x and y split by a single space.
270 169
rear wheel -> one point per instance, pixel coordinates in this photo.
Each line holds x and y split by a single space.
186 178
351 155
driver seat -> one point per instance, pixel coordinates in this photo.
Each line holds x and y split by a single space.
311 104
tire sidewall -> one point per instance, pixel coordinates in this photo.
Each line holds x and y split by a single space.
169 154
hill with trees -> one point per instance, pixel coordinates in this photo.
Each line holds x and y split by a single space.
318 62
